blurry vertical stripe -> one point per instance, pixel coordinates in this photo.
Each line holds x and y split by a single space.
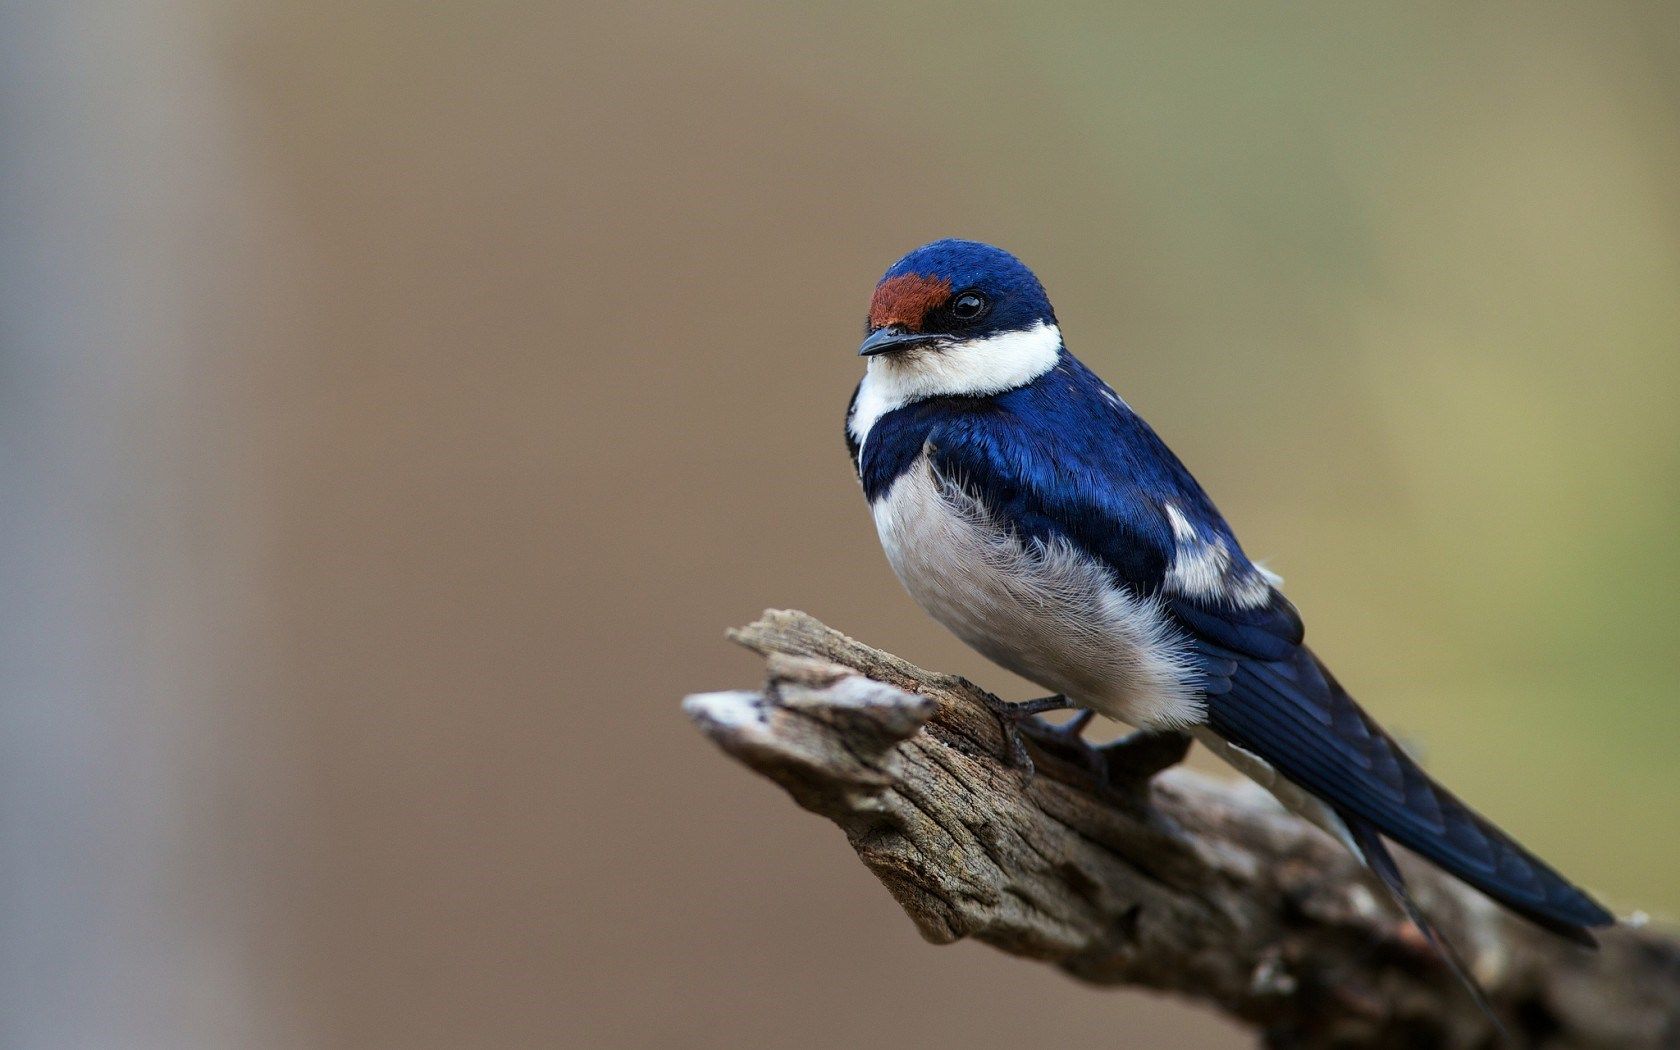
121 910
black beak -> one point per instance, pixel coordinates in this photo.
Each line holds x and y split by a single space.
886 340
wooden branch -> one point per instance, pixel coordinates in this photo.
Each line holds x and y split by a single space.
1182 883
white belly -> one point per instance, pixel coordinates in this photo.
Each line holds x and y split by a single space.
1045 611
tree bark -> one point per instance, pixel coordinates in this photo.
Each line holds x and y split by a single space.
1176 882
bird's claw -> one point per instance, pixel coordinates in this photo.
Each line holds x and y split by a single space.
1071 730
1069 736
1130 761
1011 718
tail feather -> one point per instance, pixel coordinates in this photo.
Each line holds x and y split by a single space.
1297 718
1381 862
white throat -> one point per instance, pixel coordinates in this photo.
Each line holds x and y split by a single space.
970 369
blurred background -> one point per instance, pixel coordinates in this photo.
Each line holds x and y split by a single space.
397 402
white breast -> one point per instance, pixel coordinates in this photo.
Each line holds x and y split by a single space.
1045 611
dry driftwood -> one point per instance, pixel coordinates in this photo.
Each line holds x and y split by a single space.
1176 882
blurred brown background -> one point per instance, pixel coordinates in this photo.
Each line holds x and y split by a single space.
398 401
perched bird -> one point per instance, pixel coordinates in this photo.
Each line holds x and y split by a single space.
1027 508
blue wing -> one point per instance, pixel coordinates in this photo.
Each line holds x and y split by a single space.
1103 481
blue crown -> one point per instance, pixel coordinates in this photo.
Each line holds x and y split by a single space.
1018 299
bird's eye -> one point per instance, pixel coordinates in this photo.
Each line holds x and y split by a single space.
968 306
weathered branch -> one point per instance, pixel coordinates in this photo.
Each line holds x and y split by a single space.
1181 883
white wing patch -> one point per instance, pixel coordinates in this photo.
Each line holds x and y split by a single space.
970 369
1046 611
1202 568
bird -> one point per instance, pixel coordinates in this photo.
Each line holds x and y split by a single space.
1027 508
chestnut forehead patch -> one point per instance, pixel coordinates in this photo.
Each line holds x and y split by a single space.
905 300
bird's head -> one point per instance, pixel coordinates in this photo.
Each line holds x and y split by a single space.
960 317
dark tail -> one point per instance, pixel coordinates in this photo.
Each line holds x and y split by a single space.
1381 863
1294 715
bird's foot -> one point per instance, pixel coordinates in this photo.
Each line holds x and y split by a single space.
1135 759
1013 718
1070 732
1069 740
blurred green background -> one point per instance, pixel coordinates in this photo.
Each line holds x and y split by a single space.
398 401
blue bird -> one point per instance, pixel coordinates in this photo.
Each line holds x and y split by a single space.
1027 508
